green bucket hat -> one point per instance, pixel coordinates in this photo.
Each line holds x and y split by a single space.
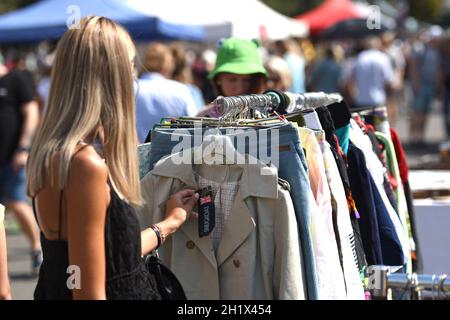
239 57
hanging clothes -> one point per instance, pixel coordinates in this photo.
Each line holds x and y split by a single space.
381 243
331 285
417 264
336 212
392 166
343 137
291 165
341 115
320 136
377 170
357 246
258 254
312 120
364 199
389 183
355 290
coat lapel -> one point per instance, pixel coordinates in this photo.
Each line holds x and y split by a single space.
238 227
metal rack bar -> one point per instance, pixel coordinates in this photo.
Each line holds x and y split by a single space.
271 100
381 279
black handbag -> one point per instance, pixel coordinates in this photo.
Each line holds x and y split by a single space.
168 285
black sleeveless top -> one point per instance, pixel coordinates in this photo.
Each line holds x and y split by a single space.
126 276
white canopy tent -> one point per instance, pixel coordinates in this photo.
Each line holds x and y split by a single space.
246 19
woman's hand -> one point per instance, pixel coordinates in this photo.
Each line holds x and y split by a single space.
179 207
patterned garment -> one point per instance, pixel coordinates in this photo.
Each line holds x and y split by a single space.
345 232
144 151
224 194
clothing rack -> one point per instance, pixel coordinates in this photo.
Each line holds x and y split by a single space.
275 101
381 279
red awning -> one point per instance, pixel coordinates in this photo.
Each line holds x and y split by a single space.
328 14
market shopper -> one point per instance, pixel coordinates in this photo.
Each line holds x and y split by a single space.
371 77
279 74
326 73
238 70
426 78
393 48
182 72
290 51
19 118
83 173
157 94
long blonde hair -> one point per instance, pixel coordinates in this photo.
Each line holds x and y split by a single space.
91 90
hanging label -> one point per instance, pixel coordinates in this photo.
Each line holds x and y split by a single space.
206 211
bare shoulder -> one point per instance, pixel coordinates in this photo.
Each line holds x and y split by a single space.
87 163
88 171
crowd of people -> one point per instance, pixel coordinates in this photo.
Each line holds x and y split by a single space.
67 141
380 70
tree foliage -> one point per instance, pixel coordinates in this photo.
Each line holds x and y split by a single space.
292 7
9 5
429 10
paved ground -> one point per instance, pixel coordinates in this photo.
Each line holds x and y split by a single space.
19 264
18 253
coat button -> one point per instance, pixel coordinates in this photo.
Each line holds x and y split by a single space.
190 244
237 263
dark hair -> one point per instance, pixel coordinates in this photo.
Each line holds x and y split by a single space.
19 56
280 47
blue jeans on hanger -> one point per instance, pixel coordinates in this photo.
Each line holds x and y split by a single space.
291 165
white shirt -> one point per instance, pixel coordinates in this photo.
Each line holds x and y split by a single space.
371 72
355 290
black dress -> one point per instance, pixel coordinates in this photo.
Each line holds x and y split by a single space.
126 275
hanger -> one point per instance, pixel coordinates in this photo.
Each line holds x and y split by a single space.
216 148
248 110
273 100
246 106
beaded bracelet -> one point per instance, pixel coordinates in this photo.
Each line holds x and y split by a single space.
161 233
158 235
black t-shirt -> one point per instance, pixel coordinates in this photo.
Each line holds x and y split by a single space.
16 89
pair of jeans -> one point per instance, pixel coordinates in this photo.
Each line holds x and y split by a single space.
12 184
291 164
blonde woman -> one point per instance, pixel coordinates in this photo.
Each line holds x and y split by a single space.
84 196
5 290
279 74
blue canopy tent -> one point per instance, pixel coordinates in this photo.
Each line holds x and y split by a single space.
49 19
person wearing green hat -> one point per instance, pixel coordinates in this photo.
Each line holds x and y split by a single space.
238 70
